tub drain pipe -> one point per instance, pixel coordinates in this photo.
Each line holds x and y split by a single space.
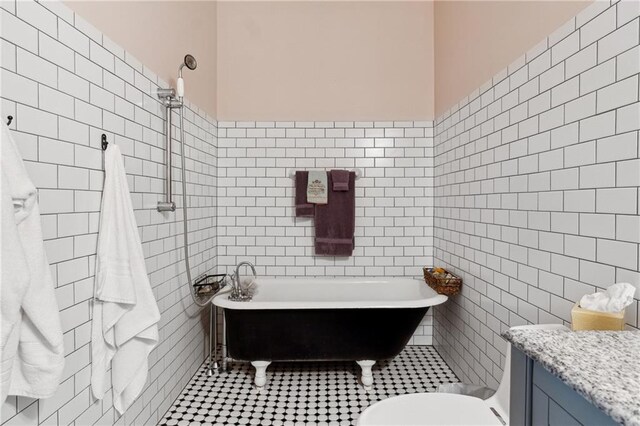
211 350
214 368
225 359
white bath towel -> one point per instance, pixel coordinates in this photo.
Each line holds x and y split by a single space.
614 299
32 345
15 280
125 313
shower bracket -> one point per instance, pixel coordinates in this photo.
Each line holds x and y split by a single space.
168 97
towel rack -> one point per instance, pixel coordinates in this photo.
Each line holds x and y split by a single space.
358 172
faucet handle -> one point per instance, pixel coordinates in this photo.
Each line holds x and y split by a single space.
247 285
225 281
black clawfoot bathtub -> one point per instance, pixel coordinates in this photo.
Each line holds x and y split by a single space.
312 319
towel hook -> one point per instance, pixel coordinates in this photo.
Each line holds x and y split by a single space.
9 119
105 144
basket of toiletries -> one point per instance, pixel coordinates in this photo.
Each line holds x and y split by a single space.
442 281
586 319
208 285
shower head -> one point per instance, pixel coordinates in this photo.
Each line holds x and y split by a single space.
189 62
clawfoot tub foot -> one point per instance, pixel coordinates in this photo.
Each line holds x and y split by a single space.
367 376
261 373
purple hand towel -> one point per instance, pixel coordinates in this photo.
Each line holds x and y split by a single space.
340 180
335 221
303 208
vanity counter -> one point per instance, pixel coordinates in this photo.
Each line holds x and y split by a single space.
602 366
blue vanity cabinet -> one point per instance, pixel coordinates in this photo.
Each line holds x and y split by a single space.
540 398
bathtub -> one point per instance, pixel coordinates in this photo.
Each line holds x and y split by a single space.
337 319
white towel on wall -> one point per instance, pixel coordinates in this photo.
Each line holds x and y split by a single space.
125 313
15 280
32 343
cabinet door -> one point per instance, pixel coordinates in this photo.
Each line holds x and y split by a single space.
539 407
561 405
520 390
559 416
538 398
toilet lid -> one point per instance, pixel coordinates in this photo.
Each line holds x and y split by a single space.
429 409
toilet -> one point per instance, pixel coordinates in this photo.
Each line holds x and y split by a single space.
446 408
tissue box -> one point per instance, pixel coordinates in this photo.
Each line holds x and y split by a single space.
584 319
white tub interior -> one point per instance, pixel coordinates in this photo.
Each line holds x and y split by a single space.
343 293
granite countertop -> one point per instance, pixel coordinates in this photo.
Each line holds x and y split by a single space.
602 366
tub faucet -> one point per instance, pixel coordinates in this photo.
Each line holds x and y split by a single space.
237 293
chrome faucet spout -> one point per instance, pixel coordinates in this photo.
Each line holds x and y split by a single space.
237 293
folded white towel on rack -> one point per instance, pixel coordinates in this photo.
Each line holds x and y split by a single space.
125 313
31 337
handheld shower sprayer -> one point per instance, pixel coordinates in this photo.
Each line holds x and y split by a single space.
174 100
189 62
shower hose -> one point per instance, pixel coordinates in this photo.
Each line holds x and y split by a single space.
195 298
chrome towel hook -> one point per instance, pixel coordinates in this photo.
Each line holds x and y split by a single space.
9 119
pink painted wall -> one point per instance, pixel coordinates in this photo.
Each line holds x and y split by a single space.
329 60
159 34
476 39
321 60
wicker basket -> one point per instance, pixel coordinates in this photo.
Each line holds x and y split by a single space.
448 284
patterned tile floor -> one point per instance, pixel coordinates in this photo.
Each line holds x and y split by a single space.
303 393
309 393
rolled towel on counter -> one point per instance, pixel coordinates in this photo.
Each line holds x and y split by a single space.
614 299
335 221
340 179
303 208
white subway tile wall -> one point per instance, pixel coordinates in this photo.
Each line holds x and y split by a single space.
536 187
65 84
394 198
534 178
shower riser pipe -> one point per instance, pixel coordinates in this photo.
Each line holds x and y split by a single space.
169 102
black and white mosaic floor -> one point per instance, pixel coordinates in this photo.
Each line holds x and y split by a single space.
318 393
